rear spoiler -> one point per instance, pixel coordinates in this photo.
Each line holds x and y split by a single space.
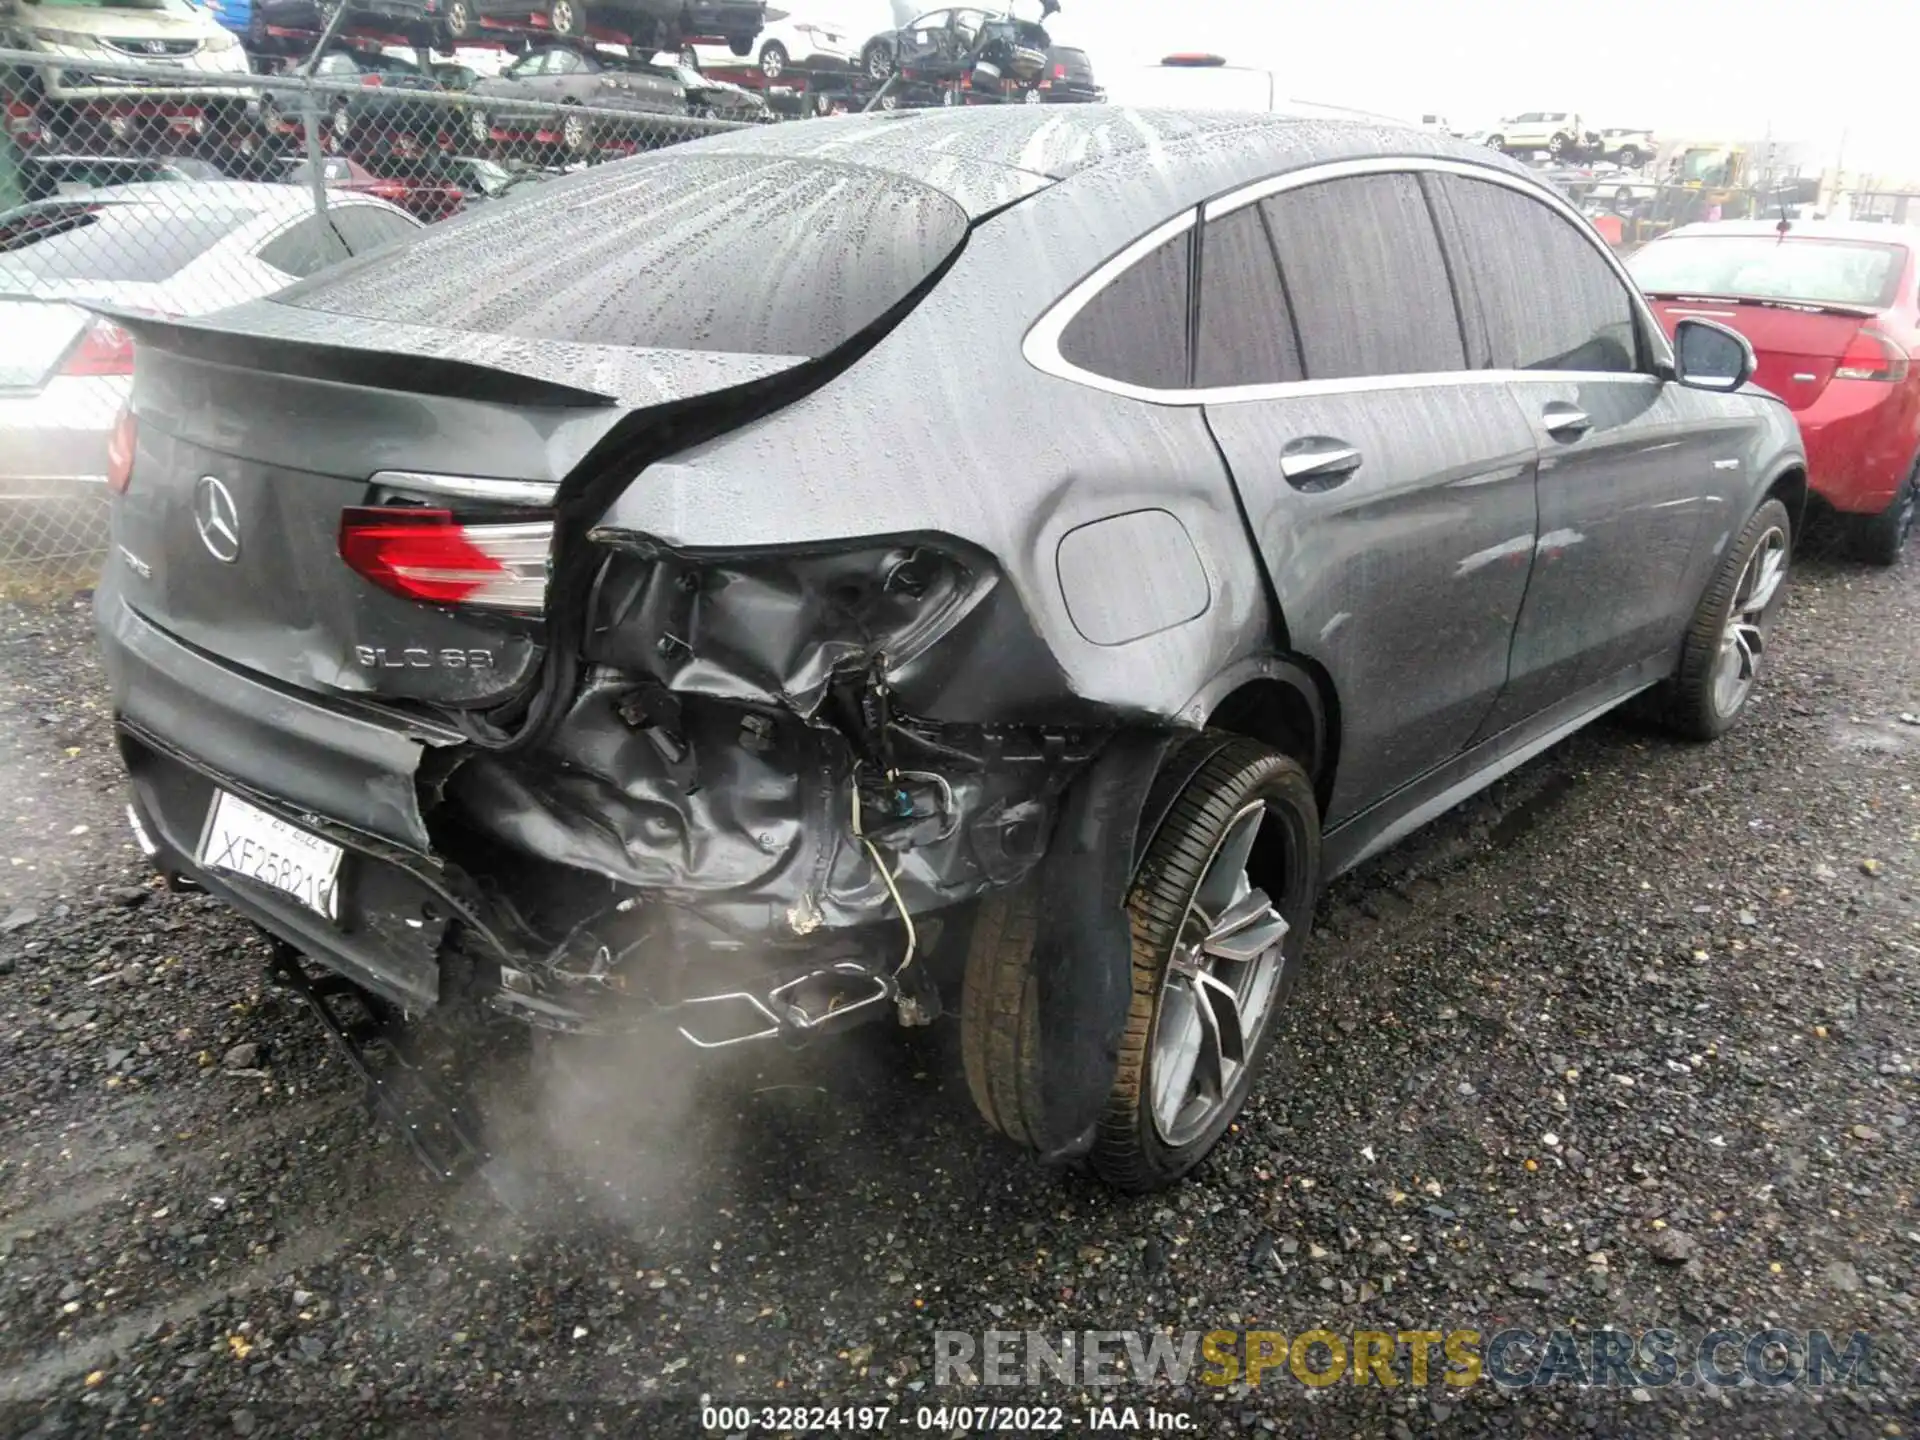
1766 302
419 374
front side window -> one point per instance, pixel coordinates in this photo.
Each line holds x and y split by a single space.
1364 275
1135 330
1550 300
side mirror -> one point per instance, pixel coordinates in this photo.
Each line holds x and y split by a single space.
1709 356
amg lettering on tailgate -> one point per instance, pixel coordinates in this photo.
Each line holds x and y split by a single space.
378 657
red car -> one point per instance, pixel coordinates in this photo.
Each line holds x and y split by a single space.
1833 311
427 199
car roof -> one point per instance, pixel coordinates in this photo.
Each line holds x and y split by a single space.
989 157
1908 235
193 195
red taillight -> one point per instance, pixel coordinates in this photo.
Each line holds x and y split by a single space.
427 555
105 349
1872 356
1059 72
120 450
369 79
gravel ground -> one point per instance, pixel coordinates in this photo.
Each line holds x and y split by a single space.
1630 1039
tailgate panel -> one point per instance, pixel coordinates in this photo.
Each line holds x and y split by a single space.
275 597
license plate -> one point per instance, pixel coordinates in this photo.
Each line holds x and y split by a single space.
243 839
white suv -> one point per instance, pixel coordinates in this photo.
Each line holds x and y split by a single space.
157 32
1555 131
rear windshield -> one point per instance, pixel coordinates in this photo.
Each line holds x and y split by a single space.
87 241
741 253
1765 267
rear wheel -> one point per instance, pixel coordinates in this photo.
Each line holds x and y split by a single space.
567 17
1558 145
479 127
1880 539
1497 142
1629 156
1725 646
1219 915
575 133
877 60
773 60
458 19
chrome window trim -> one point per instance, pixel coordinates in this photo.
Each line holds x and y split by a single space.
468 487
1041 348
1042 345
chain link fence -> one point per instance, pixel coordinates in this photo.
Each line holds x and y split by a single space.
155 186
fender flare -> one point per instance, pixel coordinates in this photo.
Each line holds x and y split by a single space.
1083 944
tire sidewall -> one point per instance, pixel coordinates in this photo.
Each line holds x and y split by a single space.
1291 803
1692 709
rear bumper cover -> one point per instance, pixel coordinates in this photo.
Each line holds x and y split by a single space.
267 740
1859 438
189 725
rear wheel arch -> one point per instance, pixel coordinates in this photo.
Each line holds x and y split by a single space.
1287 702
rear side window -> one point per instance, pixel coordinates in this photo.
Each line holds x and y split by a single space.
1246 326
1135 330
303 248
1368 286
368 227
1550 299
748 254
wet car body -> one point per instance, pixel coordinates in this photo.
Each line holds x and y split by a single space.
784 706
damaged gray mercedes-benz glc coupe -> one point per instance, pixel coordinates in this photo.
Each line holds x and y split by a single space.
999 562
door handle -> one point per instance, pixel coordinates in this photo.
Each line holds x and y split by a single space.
1564 422
1317 462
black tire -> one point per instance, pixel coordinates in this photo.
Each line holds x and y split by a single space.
1629 156
1558 145
999 1022
1881 539
567 17
457 19
741 45
877 60
1691 707
774 60
1497 142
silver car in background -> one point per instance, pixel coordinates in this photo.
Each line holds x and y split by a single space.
167 248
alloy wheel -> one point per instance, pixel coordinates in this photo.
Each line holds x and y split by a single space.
1217 993
341 123
1743 639
773 62
573 132
480 127
565 21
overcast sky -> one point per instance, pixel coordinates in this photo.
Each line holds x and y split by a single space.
1694 69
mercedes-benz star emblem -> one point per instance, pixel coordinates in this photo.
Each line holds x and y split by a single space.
215 517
